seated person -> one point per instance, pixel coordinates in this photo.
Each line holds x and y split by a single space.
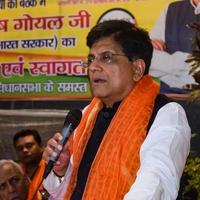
172 38
28 145
14 184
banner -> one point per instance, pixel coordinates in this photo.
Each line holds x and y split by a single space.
43 43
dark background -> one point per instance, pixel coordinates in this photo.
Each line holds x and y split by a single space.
48 117
45 116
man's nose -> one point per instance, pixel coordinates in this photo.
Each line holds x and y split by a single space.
25 149
95 65
11 188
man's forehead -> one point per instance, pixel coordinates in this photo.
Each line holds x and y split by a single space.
105 44
25 139
8 171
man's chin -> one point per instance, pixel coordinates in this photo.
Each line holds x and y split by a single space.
15 198
99 94
27 160
59 168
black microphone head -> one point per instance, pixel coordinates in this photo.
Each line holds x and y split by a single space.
73 117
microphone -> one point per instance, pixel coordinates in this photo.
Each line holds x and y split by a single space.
72 120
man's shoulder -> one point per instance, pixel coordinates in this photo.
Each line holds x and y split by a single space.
161 100
179 3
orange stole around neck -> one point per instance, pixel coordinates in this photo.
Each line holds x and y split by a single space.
117 161
36 182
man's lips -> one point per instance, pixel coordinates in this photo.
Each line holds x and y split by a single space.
27 155
98 80
15 198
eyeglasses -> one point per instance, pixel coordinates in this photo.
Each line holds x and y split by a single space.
106 57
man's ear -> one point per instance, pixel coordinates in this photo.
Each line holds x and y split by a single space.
139 68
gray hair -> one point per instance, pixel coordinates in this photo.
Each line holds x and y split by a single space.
13 163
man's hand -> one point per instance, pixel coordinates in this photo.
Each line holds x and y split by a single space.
61 164
158 44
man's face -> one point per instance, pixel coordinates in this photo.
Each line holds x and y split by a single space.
111 80
196 1
13 185
28 149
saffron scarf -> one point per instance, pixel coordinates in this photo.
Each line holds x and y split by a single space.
117 161
36 182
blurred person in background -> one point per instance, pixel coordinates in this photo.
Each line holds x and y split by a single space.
172 39
28 145
14 183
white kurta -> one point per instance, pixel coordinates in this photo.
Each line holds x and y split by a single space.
163 156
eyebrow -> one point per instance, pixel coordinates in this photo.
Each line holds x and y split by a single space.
26 143
10 178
